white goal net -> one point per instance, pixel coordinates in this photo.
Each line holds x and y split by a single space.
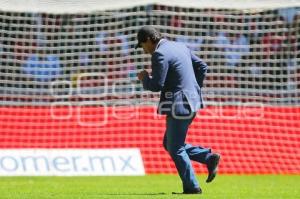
60 56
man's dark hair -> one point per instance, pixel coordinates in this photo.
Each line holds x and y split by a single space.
148 32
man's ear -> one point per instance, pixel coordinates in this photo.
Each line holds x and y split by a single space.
149 39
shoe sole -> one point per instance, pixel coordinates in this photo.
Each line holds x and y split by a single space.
212 176
196 191
182 193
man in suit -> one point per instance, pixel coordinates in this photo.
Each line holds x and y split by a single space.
179 75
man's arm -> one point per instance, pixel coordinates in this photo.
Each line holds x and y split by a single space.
159 72
200 69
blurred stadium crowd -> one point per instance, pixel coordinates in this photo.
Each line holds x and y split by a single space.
249 52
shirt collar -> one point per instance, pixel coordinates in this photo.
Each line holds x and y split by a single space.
158 44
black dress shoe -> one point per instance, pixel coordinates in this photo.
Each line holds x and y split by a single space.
187 191
212 166
194 191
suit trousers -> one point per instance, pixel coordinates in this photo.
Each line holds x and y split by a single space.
182 153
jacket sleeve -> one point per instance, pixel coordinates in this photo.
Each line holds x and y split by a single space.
200 69
160 68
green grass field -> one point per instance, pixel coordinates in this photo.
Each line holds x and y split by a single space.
150 186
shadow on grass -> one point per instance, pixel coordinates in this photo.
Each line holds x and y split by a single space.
131 194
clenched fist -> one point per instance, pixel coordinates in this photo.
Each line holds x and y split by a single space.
141 75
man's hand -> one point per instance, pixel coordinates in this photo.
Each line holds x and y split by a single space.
142 75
